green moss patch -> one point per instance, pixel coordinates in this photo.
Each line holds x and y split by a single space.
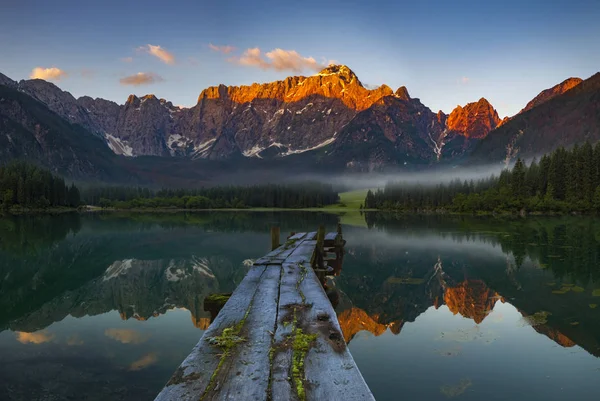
228 340
300 346
217 299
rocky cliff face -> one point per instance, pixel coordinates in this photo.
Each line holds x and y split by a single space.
474 120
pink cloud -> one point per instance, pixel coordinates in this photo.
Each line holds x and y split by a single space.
159 52
141 78
278 59
48 74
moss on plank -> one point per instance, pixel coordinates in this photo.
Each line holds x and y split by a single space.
218 300
228 340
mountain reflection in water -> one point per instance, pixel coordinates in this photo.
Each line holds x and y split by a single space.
99 306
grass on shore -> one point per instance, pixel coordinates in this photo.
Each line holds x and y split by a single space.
351 200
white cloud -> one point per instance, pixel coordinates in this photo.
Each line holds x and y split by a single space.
222 49
161 53
278 59
48 74
464 80
127 59
141 78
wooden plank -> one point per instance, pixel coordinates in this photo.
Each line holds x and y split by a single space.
281 384
330 370
244 374
302 253
297 236
311 236
278 255
193 376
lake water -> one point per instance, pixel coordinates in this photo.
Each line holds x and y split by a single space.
105 307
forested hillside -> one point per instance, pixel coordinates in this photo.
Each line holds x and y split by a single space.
25 185
563 181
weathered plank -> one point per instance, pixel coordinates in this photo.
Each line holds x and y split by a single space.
297 236
330 353
281 383
193 376
303 252
277 256
244 375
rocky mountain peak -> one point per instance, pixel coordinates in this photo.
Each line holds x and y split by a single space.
132 99
402 93
148 97
474 120
550 93
342 71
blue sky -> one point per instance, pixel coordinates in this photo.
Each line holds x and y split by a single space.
445 53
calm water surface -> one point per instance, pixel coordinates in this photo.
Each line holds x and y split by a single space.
103 307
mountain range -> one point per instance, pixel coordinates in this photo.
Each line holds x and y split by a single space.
327 120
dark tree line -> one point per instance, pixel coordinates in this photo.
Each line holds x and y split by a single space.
269 195
563 181
26 185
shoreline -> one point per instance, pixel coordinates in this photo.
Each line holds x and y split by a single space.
332 209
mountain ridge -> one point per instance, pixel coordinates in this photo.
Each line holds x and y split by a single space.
330 118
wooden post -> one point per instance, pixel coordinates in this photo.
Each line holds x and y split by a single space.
339 228
318 261
274 237
321 237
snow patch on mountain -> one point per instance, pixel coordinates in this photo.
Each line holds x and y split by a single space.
320 145
178 142
118 146
201 151
254 151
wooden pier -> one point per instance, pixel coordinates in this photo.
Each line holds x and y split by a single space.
276 338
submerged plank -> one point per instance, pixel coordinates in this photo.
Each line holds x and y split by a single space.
244 375
193 376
